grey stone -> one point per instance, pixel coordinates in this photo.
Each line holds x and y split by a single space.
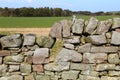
3 69
86 77
12 77
11 41
77 27
92 24
114 73
96 39
94 58
29 40
40 77
109 78
45 41
25 68
40 55
116 23
56 31
84 48
70 75
101 49
14 68
68 55
90 73
115 38
113 58
103 67
69 46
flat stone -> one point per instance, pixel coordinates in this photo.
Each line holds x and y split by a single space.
115 38
1 60
29 77
85 77
13 77
114 73
69 46
70 75
68 55
38 68
116 23
3 69
90 73
113 58
78 25
103 49
40 77
14 68
4 53
40 55
109 78
25 68
94 58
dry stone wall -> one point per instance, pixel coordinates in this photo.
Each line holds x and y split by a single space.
91 51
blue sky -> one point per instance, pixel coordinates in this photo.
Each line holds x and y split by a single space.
74 5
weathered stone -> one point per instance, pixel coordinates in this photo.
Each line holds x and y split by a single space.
29 77
66 27
4 53
17 59
92 24
3 69
70 75
11 41
72 40
103 67
40 55
109 78
40 77
80 66
57 66
115 38
38 68
94 57
96 39
68 55
103 49
104 26
90 73
69 46
113 58
13 77
116 23
14 68
29 39
84 48
78 25
114 73
56 31
25 68
85 77
45 41
1 60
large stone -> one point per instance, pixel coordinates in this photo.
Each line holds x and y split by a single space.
68 55
115 38
86 77
94 57
13 77
11 41
14 68
45 41
116 23
114 73
104 49
25 68
84 48
113 58
78 25
69 46
57 66
90 73
56 31
38 68
70 75
104 26
40 55
97 39
29 40
92 24
3 69
4 53
44 77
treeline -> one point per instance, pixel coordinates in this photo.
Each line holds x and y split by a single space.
47 12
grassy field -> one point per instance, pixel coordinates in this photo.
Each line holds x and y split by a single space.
38 22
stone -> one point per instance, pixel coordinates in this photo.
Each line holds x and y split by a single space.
104 26
114 73
84 48
25 68
40 55
1 60
109 78
72 40
108 35
56 31
12 41
57 66
70 75
66 27
29 77
92 24
101 49
38 68
115 38
49 73
12 77
32 48
78 25
103 67
29 40
15 58
68 56
4 53
96 39
86 77
45 41
40 77
69 46
113 58
116 23
103 73
90 73
13 68
29 59
117 30
81 66
94 58
29 53
117 68
3 69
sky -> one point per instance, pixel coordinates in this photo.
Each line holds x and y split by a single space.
74 5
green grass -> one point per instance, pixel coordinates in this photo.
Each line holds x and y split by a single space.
42 22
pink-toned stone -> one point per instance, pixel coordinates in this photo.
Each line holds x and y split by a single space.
4 53
29 59
38 68
118 30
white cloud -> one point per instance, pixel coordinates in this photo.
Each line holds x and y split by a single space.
29 1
